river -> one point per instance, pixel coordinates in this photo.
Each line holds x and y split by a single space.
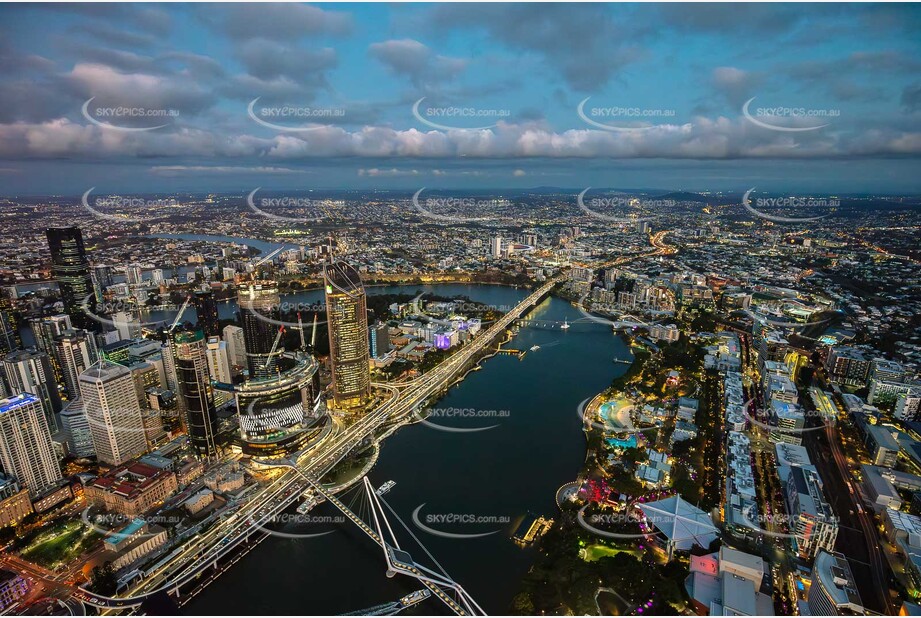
499 474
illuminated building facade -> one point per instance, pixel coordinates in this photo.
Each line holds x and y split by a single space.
280 415
191 360
206 310
349 350
26 451
259 304
71 269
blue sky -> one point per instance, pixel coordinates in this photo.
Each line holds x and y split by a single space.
667 83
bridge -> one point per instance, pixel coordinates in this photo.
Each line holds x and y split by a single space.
549 323
244 522
588 319
398 560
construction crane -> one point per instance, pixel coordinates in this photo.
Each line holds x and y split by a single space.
268 359
268 257
300 327
179 315
313 336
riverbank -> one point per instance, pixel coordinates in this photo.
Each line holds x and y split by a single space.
567 578
511 465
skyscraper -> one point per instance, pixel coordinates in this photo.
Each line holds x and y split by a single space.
9 328
29 371
102 278
259 303
77 430
133 274
111 405
26 450
75 351
380 340
45 330
195 390
127 326
219 368
206 309
236 345
71 268
347 315
495 246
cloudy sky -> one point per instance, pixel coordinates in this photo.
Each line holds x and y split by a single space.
227 97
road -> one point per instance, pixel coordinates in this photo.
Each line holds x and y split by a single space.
43 584
857 535
204 550
856 526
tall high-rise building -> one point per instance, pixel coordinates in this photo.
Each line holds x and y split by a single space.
29 371
133 274
195 390
127 325
380 340
495 246
111 405
236 345
26 449
168 356
75 351
219 368
76 429
9 330
206 309
46 328
102 278
259 304
71 268
815 525
349 350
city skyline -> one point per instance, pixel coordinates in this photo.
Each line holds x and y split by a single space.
460 309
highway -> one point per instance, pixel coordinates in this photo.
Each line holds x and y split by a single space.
878 566
244 520
858 537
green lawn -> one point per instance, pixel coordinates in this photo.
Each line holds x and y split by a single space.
61 544
596 552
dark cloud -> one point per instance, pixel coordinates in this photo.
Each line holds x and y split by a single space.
108 35
146 18
115 58
198 66
275 21
267 60
582 42
732 19
857 63
854 77
412 59
13 62
112 88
